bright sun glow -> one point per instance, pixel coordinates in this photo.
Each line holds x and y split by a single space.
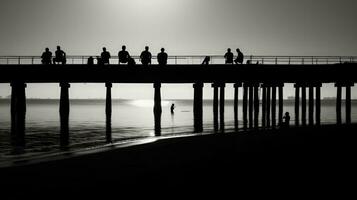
148 103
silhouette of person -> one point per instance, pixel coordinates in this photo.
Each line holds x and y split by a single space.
99 60
229 56
105 56
240 57
123 55
145 57
131 61
172 108
60 56
90 61
46 57
206 60
286 118
162 57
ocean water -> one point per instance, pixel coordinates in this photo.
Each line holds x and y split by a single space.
131 119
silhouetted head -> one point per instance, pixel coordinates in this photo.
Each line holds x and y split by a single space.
162 50
104 49
47 49
229 49
238 50
123 47
146 48
287 113
58 48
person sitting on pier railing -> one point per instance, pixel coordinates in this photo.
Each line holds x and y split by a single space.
240 57
229 56
105 56
90 60
46 57
162 57
145 57
123 55
60 56
206 60
131 61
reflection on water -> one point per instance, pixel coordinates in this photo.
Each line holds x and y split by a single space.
89 126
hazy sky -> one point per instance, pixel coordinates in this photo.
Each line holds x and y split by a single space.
183 27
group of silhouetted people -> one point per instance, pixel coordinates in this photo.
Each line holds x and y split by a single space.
229 57
125 58
60 57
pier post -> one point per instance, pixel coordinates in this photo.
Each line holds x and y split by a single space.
245 106
281 104
256 106
303 105
236 94
108 112
215 106
221 106
64 114
318 104
339 104
268 106
311 105
157 108
251 108
297 105
264 105
348 104
273 107
18 114
198 107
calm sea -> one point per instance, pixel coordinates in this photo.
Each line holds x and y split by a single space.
131 119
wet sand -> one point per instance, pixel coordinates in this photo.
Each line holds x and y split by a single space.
294 158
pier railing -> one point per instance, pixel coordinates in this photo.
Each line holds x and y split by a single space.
197 59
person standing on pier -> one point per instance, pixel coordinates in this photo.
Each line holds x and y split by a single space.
240 57
229 56
162 57
60 56
105 56
46 57
145 57
123 55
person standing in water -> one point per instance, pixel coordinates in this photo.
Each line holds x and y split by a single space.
172 108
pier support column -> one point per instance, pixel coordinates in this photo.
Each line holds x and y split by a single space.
221 106
198 107
245 106
348 104
157 108
215 106
264 105
311 105
318 104
273 107
251 108
281 104
18 114
268 106
64 114
297 105
236 94
256 106
108 112
303 105
339 104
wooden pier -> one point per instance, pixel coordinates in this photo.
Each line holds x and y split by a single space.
267 80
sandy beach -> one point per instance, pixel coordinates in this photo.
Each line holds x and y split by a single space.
314 155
